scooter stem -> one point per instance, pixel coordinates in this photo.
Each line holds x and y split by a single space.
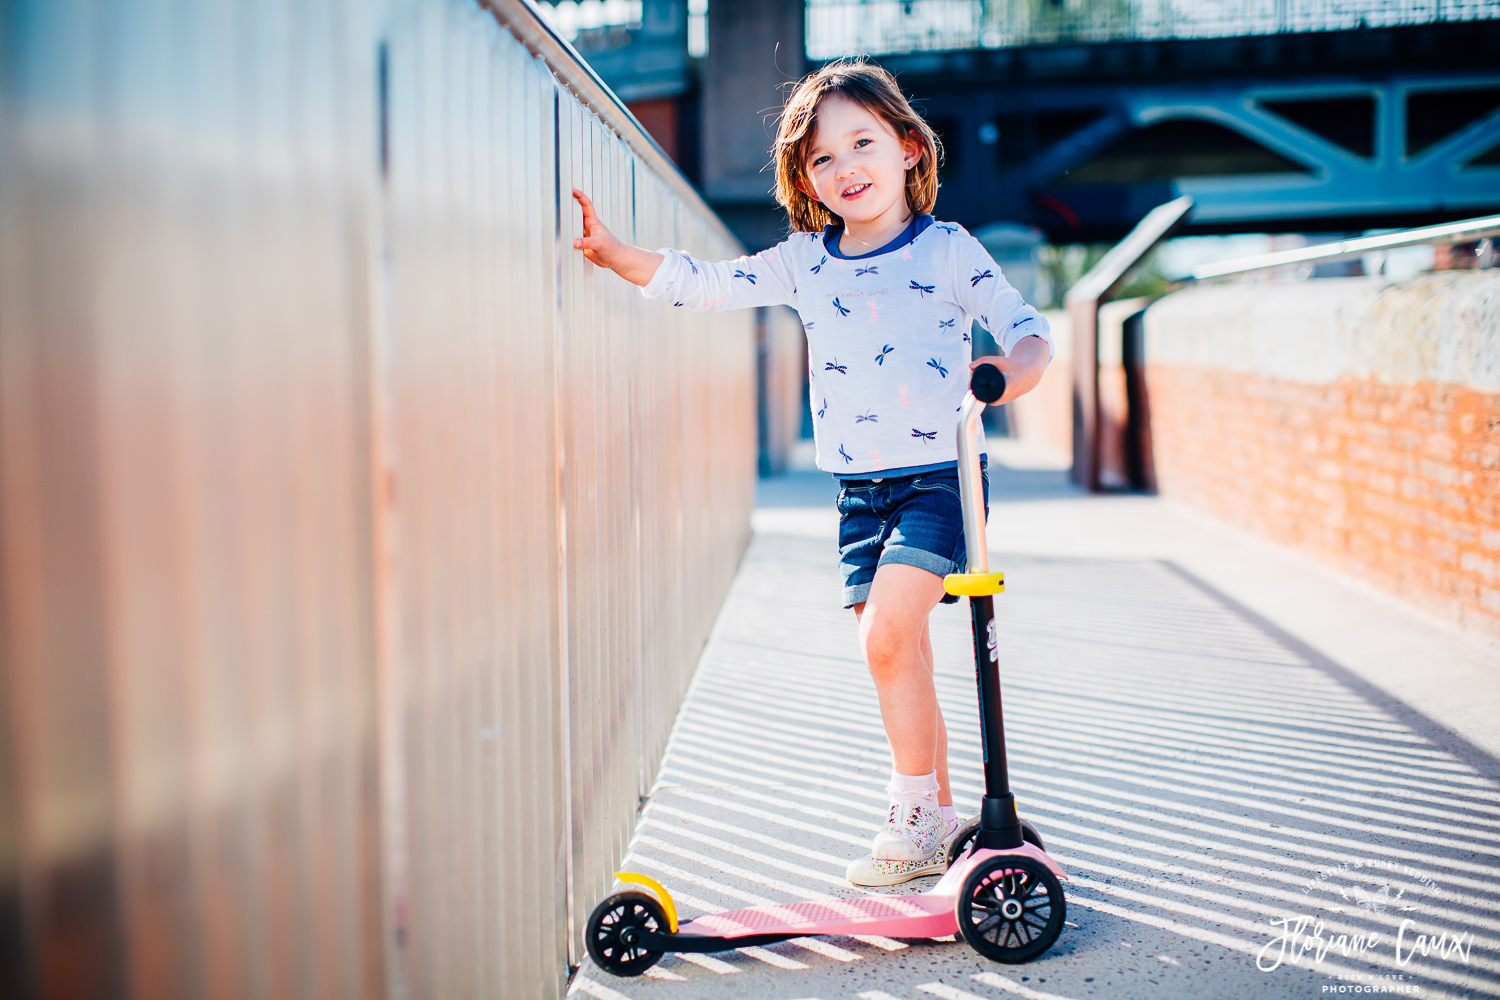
999 826
970 487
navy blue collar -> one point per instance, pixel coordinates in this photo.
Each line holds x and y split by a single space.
913 229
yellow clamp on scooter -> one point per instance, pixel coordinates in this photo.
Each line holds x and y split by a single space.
662 895
974 584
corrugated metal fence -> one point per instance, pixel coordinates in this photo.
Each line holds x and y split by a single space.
357 538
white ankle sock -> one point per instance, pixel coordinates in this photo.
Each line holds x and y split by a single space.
914 789
950 817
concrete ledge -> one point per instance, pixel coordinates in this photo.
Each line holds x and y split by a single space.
1355 419
1442 327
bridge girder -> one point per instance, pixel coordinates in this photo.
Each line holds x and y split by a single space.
1402 167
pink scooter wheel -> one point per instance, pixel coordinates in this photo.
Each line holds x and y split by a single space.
614 928
1011 908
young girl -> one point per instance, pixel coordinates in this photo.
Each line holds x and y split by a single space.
887 297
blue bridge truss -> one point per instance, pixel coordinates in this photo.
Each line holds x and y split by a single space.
1320 131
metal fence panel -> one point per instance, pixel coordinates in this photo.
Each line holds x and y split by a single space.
357 538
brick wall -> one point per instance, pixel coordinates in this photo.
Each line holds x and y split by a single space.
1371 467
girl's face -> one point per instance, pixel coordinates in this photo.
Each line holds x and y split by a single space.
856 165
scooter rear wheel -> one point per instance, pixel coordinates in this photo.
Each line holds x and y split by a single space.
1011 908
963 838
613 927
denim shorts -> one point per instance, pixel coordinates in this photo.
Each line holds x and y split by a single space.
916 520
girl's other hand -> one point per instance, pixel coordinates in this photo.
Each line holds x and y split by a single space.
600 247
1023 369
598 244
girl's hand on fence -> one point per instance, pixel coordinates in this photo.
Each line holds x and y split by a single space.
600 247
1023 369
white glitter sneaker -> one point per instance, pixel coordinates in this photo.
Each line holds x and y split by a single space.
908 846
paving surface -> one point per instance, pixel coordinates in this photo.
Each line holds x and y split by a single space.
1240 813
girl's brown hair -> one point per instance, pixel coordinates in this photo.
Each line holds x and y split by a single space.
876 91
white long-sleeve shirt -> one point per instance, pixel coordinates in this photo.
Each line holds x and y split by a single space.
887 334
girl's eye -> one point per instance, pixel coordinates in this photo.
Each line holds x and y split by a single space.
820 160
862 142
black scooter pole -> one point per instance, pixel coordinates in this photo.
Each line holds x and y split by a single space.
999 826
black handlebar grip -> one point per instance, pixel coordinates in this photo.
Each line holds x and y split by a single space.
987 383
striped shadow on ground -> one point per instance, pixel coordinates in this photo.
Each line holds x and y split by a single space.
1239 816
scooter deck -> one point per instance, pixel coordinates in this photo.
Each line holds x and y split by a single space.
910 916
927 914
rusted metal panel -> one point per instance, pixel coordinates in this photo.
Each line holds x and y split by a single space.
357 538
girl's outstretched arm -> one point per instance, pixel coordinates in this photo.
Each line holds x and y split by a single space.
600 246
762 279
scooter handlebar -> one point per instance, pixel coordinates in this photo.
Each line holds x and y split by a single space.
987 383
986 386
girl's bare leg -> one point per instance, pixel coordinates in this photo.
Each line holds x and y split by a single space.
898 651
945 794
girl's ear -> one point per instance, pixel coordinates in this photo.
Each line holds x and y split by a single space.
801 186
913 151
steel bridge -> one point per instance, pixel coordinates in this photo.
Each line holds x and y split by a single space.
1274 115
1327 131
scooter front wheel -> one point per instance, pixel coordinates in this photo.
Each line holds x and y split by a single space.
1011 908
614 928
962 841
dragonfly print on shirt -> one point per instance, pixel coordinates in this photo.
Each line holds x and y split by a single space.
910 334
746 275
848 458
924 435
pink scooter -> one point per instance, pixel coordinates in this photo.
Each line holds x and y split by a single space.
1001 890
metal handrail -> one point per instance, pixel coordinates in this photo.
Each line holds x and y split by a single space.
522 20
1083 301
1125 254
1448 232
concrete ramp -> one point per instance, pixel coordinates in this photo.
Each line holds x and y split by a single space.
1243 808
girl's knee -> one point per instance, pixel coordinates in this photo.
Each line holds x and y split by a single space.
889 645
